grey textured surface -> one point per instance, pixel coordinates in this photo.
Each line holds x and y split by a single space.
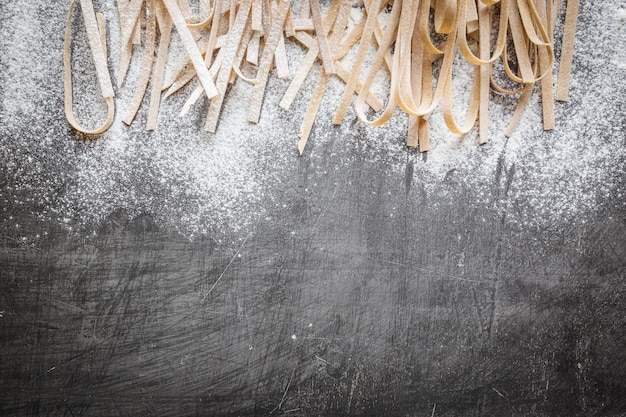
175 273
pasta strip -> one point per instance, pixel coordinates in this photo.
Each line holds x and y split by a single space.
343 73
521 49
102 31
368 32
252 52
129 11
445 13
519 110
280 59
197 93
165 27
203 23
323 78
427 81
416 76
472 17
213 36
185 9
96 41
139 24
484 38
547 94
305 9
312 109
410 39
307 62
146 64
567 50
383 49
223 75
239 57
191 47
256 101
324 48
184 77
257 16
500 42
303 24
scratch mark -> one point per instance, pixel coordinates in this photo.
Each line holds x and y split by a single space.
322 360
434 408
284 397
226 269
425 270
62 364
353 386
498 392
509 180
67 305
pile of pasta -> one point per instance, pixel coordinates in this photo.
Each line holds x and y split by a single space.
415 42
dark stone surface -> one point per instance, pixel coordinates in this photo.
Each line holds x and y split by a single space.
358 293
387 321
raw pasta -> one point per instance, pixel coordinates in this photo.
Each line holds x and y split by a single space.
408 39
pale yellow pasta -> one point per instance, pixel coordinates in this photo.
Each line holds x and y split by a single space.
414 42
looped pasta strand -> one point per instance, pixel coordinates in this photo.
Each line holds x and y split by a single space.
421 44
97 44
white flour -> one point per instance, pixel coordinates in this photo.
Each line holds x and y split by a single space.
199 183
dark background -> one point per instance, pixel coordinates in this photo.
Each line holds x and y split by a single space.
359 292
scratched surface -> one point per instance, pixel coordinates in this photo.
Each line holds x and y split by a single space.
361 296
355 314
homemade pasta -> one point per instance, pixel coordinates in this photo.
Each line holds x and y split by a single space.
413 42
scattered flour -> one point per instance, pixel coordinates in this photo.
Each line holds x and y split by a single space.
199 183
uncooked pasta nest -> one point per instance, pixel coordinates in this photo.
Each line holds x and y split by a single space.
415 43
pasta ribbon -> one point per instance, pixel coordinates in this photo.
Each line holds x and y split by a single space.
508 44
97 43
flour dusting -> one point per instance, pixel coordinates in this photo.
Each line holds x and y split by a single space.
199 183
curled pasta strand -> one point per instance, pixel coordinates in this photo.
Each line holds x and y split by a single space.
390 31
98 49
500 42
206 22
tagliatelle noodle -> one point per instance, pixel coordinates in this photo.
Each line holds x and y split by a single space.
230 50
146 64
403 42
197 93
324 48
483 14
308 60
207 20
256 101
416 75
165 29
474 100
547 93
390 31
191 47
280 59
342 72
128 11
245 40
567 49
519 110
97 44
368 32
321 84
